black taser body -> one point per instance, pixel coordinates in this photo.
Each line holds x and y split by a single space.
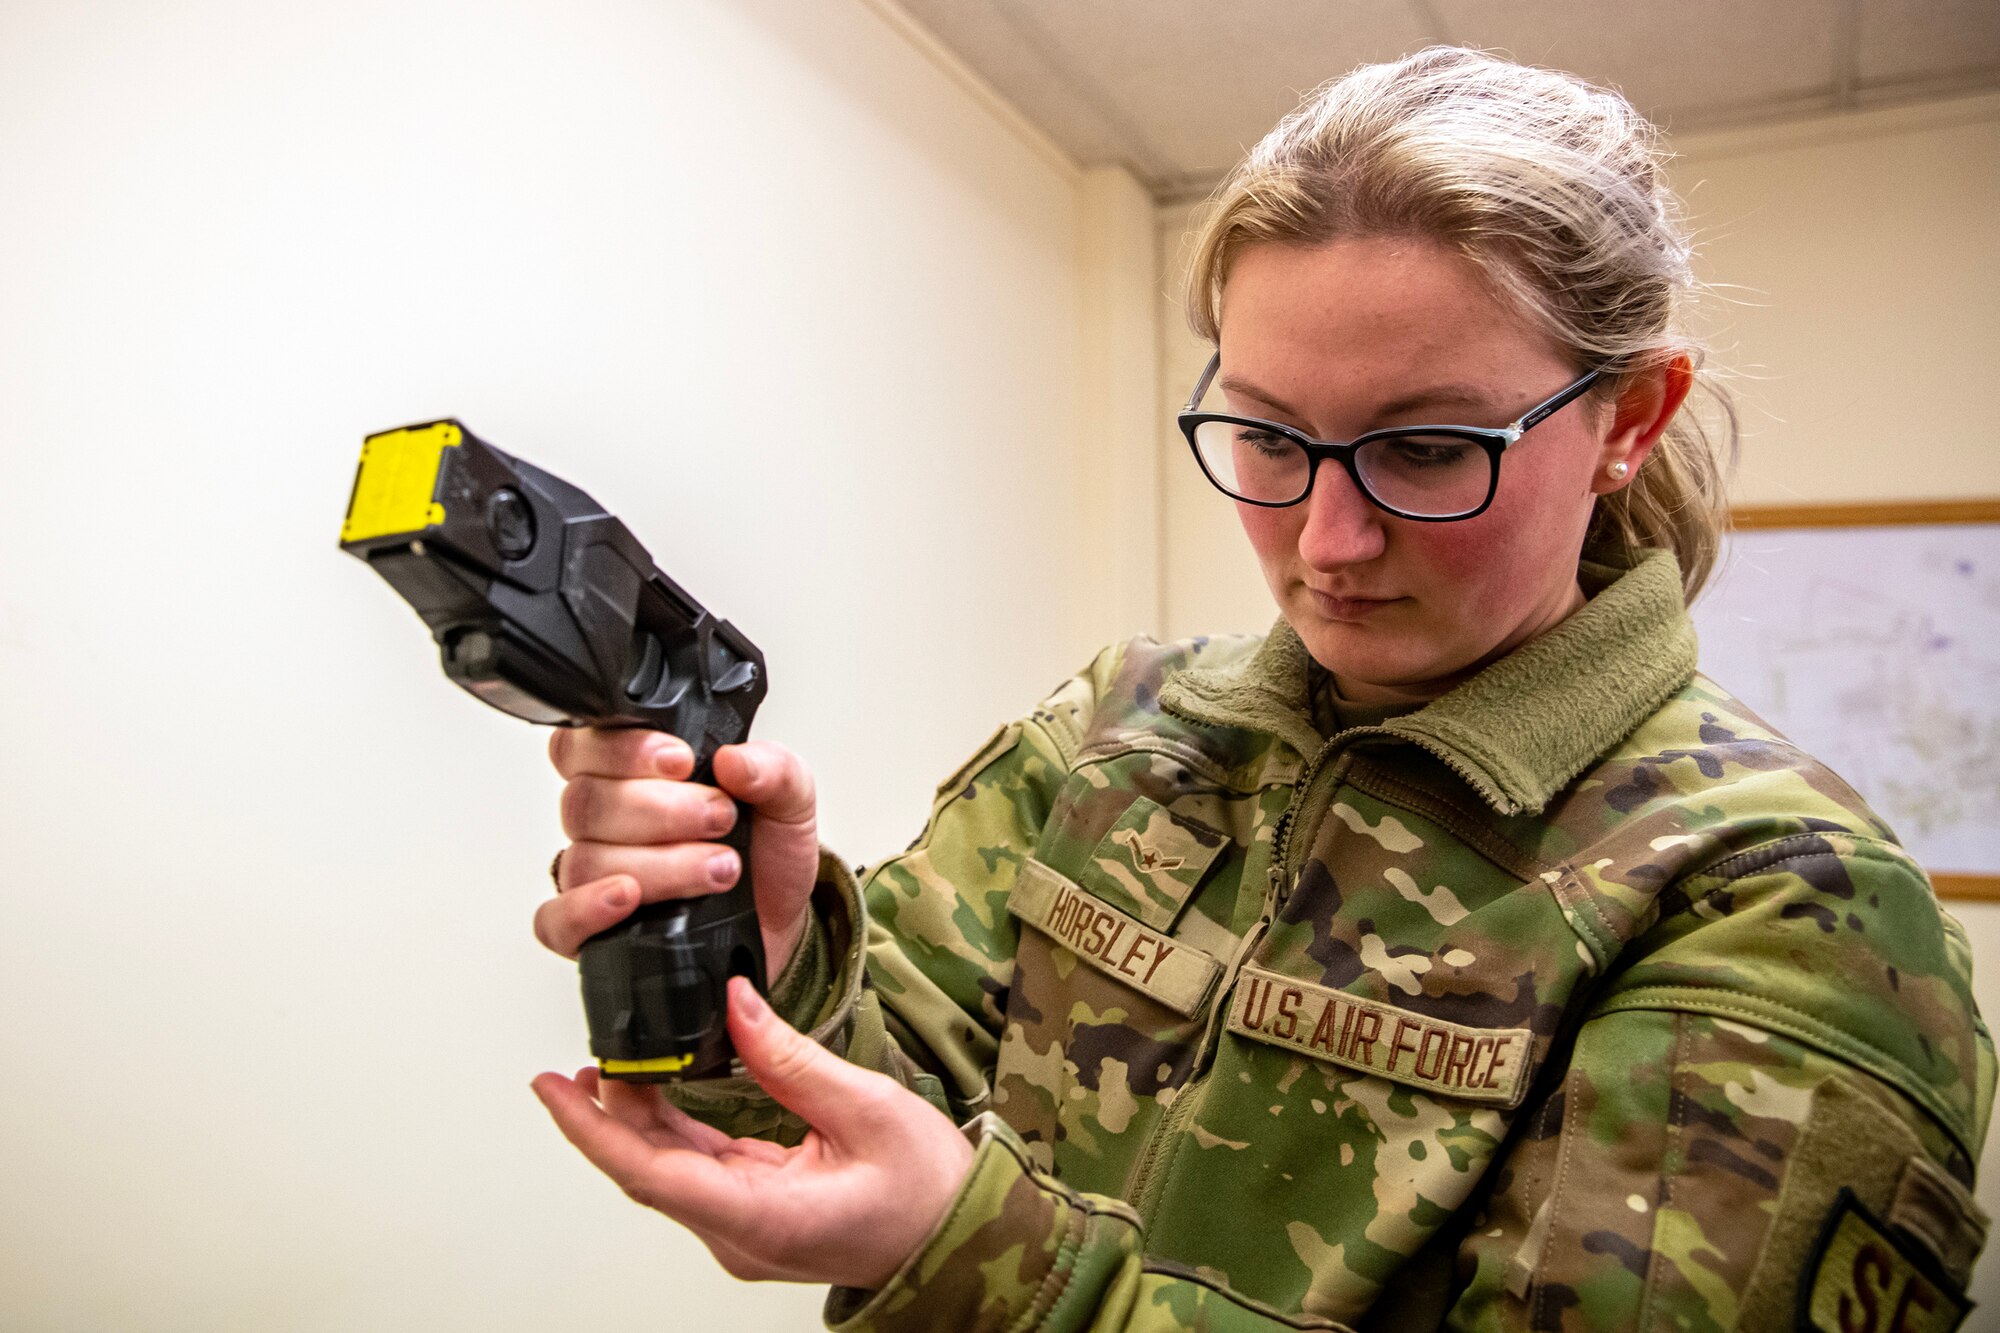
546 607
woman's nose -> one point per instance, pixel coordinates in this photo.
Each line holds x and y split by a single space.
1342 527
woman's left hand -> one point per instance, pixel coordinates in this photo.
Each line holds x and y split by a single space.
846 1207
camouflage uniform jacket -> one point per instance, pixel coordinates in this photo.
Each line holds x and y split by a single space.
1576 999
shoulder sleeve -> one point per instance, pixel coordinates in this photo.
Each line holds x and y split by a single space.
1694 1172
1774 1109
1836 940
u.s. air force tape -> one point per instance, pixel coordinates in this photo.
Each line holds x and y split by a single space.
1471 1064
1173 973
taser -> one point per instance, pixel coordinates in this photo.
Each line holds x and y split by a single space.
545 606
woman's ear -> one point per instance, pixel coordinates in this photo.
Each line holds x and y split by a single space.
1644 407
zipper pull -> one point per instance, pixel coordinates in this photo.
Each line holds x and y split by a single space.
1219 1001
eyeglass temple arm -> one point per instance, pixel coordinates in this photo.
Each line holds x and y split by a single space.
1557 403
1201 385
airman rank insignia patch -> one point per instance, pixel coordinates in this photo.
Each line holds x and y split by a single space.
1864 1277
1471 1064
1149 863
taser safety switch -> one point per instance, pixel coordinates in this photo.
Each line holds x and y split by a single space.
546 607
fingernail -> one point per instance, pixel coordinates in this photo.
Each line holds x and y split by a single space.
751 769
721 814
671 757
722 868
618 895
748 1004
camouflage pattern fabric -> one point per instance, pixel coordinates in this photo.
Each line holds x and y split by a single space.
1577 999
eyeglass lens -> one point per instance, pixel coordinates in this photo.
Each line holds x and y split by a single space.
1436 476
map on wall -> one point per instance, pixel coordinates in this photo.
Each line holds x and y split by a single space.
1877 650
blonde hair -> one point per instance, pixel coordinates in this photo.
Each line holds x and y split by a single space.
1556 190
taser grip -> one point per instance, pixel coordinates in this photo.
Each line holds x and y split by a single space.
655 986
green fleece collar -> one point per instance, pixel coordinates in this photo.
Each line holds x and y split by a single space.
1266 692
1520 730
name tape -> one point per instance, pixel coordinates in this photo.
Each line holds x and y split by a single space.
1471 1064
1112 942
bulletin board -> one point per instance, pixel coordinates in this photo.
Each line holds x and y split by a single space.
1870 635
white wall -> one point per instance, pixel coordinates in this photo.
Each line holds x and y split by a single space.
1118 468
1210 576
768 279
1858 312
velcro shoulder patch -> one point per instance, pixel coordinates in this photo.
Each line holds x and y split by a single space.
1931 1207
1472 1064
1115 943
1865 1278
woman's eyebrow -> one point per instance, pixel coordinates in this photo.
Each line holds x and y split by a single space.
1236 384
1440 395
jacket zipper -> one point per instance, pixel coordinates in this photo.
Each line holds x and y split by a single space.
1281 836
1145 1185
1148 1183
1281 872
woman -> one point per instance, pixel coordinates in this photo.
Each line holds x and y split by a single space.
1453 956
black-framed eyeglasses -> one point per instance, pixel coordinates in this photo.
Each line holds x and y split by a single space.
1433 474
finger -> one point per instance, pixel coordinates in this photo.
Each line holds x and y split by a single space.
844 1102
617 1149
640 811
642 1106
564 922
770 777
679 870
632 1102
619 752
690 1187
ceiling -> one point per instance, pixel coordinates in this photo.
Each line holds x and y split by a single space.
1175 90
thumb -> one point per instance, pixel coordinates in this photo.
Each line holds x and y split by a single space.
770 777
830 1094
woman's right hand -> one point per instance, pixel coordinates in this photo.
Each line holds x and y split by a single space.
640 831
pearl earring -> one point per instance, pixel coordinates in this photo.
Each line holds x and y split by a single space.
1619 470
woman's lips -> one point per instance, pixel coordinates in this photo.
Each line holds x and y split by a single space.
1335 607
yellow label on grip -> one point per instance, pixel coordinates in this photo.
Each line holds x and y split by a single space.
395 489
666 1064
